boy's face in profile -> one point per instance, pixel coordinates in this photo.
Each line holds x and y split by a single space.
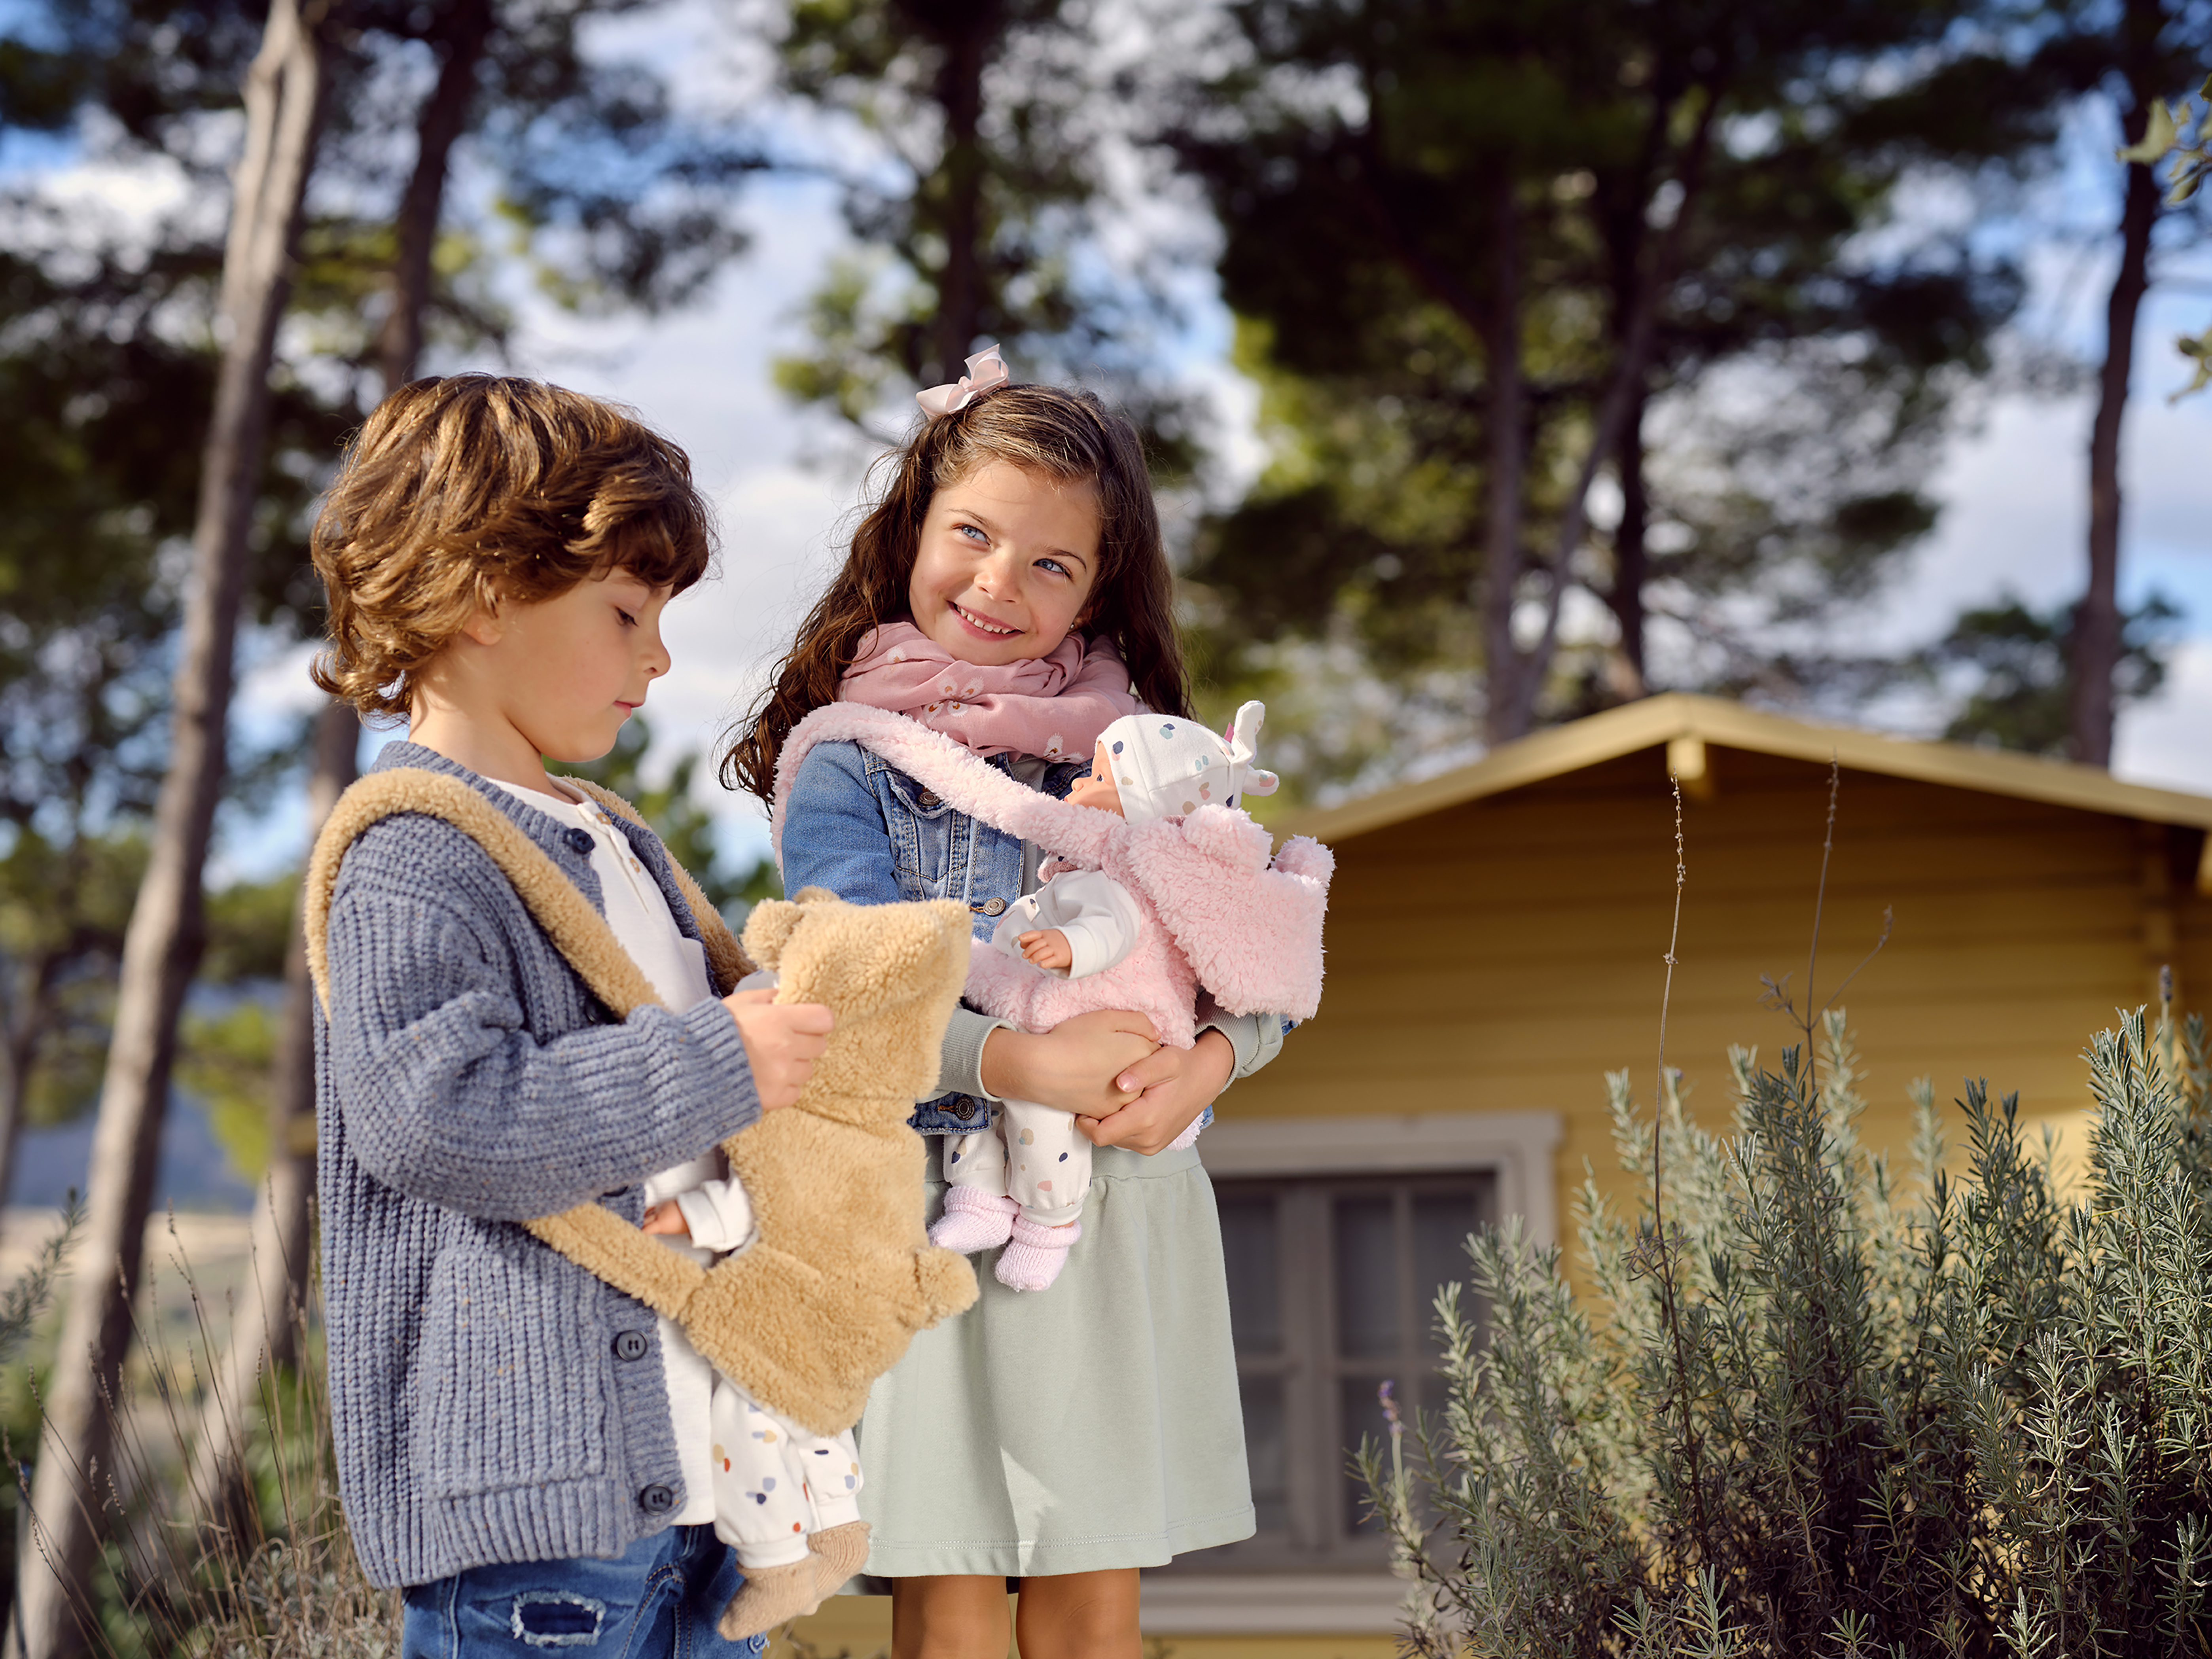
566 673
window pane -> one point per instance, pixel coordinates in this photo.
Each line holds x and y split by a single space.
1363 1415
1441 1222
1366 1278
1249 1245
1266 1450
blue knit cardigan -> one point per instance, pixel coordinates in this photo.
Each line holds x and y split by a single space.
492 1401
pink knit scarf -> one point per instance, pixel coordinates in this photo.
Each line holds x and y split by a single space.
1054 705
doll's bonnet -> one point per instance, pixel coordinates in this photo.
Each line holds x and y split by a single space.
1166 768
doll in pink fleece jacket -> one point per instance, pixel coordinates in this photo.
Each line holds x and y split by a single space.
1188 878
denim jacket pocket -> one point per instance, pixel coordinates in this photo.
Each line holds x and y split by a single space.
926 834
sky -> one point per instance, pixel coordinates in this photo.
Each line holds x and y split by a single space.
2013 487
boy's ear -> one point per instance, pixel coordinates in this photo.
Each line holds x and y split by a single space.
484 625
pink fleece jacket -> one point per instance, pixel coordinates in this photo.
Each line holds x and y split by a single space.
1217 911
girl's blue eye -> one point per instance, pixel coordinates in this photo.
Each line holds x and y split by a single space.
1054 565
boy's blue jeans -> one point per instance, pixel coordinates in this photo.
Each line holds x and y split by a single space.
658 1601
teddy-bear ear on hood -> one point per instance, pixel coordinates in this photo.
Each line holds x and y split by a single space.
769 927
864 958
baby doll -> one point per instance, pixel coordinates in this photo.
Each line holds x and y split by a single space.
1087 941
786 1500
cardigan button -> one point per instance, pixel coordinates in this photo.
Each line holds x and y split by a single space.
630 1344
994 906
656 1499
580 841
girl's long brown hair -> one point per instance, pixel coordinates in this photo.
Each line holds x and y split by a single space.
1070 437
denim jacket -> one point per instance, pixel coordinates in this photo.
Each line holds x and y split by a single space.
873 836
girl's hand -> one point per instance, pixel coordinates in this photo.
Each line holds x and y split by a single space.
782 1041
1172 1087
1073 1066
666 1217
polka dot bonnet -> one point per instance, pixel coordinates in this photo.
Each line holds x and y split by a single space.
1165 767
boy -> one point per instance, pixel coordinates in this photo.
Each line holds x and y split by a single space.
521 1446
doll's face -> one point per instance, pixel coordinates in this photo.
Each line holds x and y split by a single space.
1099 789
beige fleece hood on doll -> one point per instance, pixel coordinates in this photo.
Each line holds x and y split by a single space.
841 1272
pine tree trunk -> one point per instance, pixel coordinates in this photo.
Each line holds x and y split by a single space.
960 290
1506 416
1631 559
284 99
444 117
2095 646
1627 390
266 1323
267 1319
31 1014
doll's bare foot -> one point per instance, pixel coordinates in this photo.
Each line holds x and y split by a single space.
839 1553
772 1597
974 1221
1038 1254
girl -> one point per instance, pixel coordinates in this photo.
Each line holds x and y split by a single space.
1008 588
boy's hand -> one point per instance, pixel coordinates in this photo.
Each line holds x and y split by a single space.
666 1217
1047 948
782 1041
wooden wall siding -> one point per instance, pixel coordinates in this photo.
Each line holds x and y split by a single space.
1505 954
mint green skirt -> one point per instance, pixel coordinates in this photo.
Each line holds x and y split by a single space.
1093 1424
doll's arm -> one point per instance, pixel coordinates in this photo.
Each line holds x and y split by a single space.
718 1214
1097 914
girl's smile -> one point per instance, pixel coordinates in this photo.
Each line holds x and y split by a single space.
1005 564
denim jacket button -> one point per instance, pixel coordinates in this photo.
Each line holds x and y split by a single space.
961 1107
927 800
656 1499
994 906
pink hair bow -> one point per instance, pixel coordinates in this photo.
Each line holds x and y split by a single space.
986 369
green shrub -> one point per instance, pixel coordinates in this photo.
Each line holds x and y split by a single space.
1824 1410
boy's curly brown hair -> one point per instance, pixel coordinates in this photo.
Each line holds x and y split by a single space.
462 491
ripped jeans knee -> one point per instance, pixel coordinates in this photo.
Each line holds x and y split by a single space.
660 1600
557 1618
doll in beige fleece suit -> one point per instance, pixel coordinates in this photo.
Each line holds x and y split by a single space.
787 1500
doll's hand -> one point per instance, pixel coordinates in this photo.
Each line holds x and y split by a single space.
782 1041
666 1217
1174 1086
1047 948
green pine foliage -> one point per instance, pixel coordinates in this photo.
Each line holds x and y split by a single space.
1811 1405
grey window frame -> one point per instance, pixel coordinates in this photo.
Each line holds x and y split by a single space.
1311 1363
1206 1593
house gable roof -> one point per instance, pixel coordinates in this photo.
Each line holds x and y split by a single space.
1662 719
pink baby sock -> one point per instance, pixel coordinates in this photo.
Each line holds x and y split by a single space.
974 1221
1038 1254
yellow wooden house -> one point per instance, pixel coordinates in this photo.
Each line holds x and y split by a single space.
1497 940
